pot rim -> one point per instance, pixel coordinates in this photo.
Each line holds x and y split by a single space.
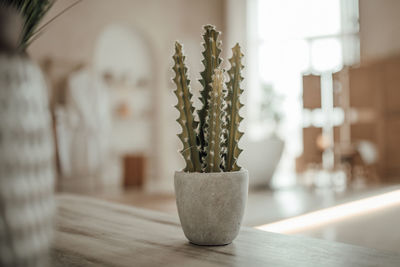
208 174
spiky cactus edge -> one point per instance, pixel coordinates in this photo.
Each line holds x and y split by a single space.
233 107
186 119
210 145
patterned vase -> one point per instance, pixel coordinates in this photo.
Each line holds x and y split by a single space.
26 165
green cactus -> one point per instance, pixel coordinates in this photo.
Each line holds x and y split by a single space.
213 133
186 119
211 61
233 107
210 145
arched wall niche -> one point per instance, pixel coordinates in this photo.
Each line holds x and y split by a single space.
124 57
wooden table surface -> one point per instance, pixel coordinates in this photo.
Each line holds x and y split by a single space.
93 232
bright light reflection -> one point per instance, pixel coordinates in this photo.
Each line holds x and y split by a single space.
326 54
334 214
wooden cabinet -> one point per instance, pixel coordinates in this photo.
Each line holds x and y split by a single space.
134 170
374 96
370 98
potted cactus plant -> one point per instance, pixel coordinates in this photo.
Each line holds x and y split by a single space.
211 191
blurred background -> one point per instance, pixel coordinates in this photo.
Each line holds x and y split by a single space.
322 106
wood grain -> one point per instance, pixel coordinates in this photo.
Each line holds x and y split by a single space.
93 232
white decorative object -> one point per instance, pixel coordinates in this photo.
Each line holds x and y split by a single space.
86 123
26 165
261 158
211 205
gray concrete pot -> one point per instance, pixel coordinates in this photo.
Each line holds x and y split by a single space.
211 205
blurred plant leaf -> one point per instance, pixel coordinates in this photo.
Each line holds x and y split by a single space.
33 11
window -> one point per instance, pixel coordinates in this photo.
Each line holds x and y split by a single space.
289 38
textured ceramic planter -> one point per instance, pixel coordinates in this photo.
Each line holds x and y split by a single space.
211 205
26 165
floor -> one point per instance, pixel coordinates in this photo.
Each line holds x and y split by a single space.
373 230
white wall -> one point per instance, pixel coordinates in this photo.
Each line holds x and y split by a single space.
72 37
379 29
